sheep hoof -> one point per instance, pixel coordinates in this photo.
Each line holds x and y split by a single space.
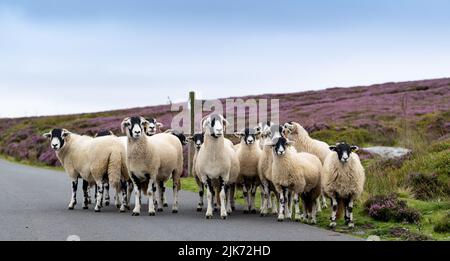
246 212
106 203
166 205
175 211
333 225
128 207
280 219
98 211
160 210
85 207
122 210
253 211
224 217
262 214
118 206
135 214
208 217
199 209
151 214
351 225
233 208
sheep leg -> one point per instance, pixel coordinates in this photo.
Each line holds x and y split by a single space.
223 204
159 198
314 212
176 189
252 198
228 197
246 196
163 197
123 191
297 208
349 209
324 201
319 207
85 194
137 194
232 202
73 199
210 199
151 196
265 197
130 188
201 193
106 192
304 215
275 199
281 212
334 204
98 205
288 206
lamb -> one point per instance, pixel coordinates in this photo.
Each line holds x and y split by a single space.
249 153
95 160
217 161
151 162
296 173
304 143
343 181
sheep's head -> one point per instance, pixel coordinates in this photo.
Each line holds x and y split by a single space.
343 151
280 145
153 127
290 128
134 127
197 139
214 125
57 138
276 131
248 135
265 128
102 133
179 134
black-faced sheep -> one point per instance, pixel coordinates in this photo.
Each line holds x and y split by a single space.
343 180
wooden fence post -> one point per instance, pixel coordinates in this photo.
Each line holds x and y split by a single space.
191 144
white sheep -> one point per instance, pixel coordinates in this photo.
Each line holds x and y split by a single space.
343 180
295 173
249 152
151 162
96 160
197 139
269 131
217 161
304 143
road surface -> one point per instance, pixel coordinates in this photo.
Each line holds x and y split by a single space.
33 206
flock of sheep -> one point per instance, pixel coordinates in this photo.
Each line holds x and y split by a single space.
289 167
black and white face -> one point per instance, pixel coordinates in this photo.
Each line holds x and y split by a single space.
134 126
280 145
265 128
343 151
197 139
57 138
248 135
153 126
288 128
216 124
180 136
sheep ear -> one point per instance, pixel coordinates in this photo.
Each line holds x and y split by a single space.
189 138
47 135
333 148
159 125
258 130
238 134
354 148
168 131
289 142
206 121
65 133
125 123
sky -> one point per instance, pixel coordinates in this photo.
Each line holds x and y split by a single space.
62 57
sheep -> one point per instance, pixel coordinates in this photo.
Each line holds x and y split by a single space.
151 162
217 161
123 141
249 153
296 173
269 131
304 143
343 181
95 160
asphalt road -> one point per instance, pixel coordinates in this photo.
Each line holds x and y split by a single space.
33 206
